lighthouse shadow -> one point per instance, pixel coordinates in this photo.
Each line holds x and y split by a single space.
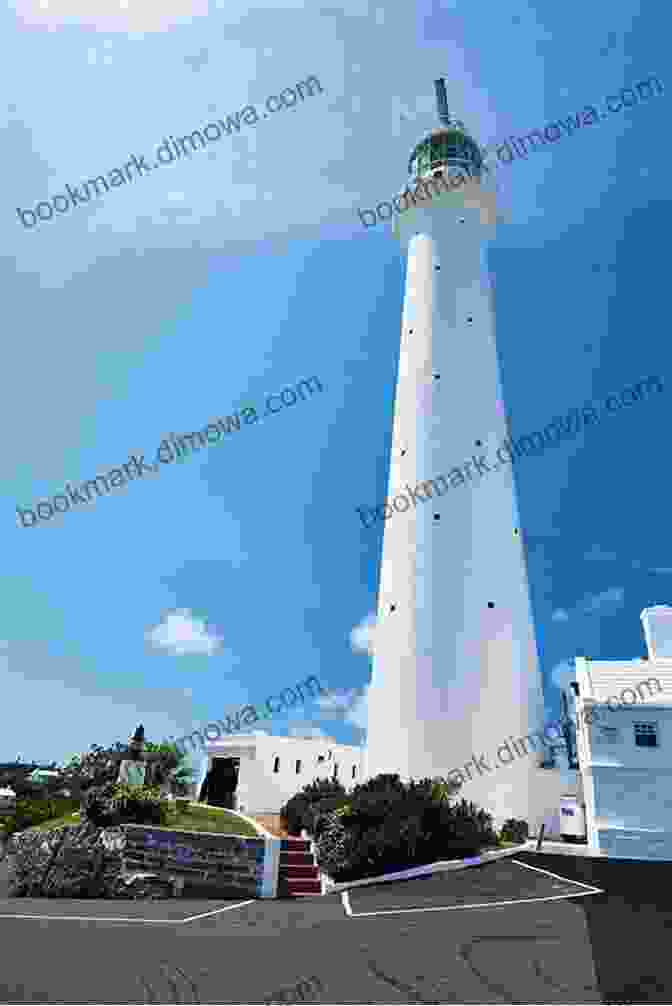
630 925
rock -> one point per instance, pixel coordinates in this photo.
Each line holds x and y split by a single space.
76 861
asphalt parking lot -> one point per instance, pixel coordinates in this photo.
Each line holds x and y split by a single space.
507 882
500 932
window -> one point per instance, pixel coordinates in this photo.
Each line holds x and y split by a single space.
276 765
320 758
354 771
646 735
335 770
298 765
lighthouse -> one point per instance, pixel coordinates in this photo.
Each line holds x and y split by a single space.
455 674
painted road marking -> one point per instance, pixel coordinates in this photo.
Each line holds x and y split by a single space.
492 904
98 918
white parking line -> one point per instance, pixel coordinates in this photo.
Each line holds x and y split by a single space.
98 918
592 890
492 904
216 911
462 908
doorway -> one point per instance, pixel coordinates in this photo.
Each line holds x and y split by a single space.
224 782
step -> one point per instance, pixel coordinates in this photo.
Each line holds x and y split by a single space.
296 870
314 887
305 887
293 881
296 859
295 845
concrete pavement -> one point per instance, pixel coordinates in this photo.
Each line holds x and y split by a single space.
563 946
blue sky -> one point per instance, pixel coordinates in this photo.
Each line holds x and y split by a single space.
238 272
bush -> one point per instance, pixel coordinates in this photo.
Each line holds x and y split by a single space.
514 831
305 808
91 770
29 813
98 806
113 804
387 825
140 804
167 763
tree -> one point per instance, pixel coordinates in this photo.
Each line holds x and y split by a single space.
95 768
184 774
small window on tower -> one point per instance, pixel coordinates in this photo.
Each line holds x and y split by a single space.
276 765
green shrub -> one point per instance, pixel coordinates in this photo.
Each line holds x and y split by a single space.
304 809
169 761
140 804
514 831
29 813
119 803
99 807
389 825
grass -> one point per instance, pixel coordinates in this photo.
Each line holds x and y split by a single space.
196 818
55 822
60 822
213 819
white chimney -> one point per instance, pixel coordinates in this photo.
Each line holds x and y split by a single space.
657 622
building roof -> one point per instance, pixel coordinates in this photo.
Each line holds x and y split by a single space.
602 680
319 743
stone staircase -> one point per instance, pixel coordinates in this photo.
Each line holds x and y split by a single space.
298 874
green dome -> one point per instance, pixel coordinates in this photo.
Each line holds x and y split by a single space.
449 146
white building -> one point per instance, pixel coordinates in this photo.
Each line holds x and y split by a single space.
624 740
455 668
43 776
258 773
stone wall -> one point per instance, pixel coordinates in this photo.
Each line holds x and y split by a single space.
85 861
78 861
221 865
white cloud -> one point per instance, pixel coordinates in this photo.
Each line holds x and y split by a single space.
307 731
110 15
563 673
337 701
363 635
596 554
607 602
358 714
601 603
349 705
181 633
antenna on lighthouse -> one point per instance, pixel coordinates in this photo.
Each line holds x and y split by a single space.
442 102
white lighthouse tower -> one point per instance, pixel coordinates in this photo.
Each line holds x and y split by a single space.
455 672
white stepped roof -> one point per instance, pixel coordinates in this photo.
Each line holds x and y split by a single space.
601 680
